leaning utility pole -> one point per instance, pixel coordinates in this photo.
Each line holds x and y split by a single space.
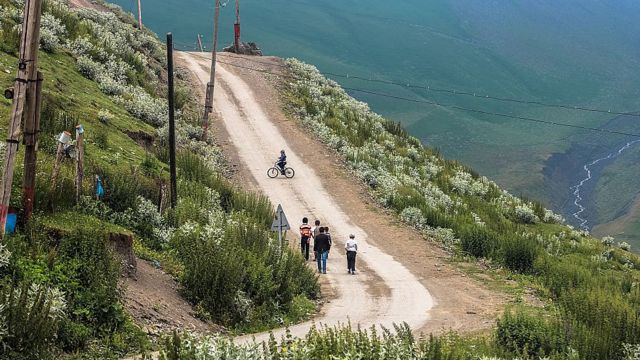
200 43
139 15
236 29
31 129
172 123
208 106
27 73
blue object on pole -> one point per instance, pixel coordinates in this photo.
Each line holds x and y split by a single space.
10 226
99 188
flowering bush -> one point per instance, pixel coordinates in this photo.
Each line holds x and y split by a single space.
525 214
607 240
105 116
624 246
413 216
51 33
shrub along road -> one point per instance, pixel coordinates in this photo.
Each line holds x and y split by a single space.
386 290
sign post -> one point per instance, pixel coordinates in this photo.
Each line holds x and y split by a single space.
280 224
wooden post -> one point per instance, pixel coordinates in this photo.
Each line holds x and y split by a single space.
162 203
62 141
27 67
79 161
139 15
172 125
31 129
208 106
200 43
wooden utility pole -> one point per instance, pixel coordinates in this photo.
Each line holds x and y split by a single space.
208 106
79 161
27 72
200 43
31 129
172 125
139 15
236 29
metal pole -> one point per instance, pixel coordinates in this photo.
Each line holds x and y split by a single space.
172 125
208 106
139 15
236 29
280 233
200 43
79 161
27 67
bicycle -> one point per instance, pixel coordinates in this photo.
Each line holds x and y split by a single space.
274 171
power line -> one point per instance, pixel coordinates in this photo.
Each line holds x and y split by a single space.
476 95
435 103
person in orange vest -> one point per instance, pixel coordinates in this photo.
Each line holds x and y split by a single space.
305 238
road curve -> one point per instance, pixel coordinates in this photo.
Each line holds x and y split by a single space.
258 142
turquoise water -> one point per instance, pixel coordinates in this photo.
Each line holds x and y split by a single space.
583 52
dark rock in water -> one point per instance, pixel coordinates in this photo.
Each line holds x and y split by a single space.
250 48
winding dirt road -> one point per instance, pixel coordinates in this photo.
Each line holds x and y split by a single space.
384 291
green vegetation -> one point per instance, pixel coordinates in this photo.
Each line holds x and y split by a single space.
59 274
594 286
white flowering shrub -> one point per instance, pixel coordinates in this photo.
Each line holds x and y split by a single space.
624 246
51 33
553 218
477 219
145 107
150 223
413 216
525 214
607 240
631 351
322 342
5 256
463 183
89 68
444 235
105 116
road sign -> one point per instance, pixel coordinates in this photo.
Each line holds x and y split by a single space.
280 223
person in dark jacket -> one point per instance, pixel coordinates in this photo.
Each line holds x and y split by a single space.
282 161
322 245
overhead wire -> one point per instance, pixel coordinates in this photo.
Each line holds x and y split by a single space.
455 92
435 103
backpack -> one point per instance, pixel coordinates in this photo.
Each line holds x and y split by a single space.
305 231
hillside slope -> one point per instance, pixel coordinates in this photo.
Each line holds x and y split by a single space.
60 273
577 52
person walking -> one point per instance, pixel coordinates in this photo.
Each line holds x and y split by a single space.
351 246
305 238
322 246
326 231
315 231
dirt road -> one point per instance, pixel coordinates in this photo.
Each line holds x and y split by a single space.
384 291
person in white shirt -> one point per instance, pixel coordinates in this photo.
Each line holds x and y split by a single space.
315 231
351 246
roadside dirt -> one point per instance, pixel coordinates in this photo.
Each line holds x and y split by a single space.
153 299
461 304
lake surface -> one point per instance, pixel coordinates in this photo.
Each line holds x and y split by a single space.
579 52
